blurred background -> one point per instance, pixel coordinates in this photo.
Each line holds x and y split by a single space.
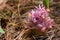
10 19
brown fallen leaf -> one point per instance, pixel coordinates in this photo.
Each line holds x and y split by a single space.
2 4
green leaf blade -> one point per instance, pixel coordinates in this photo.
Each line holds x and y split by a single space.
46 3
1 30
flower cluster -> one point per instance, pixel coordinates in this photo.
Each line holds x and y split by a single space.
39 19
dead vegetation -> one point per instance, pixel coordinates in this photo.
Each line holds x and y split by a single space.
10 13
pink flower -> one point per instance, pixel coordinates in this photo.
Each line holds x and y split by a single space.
39 19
